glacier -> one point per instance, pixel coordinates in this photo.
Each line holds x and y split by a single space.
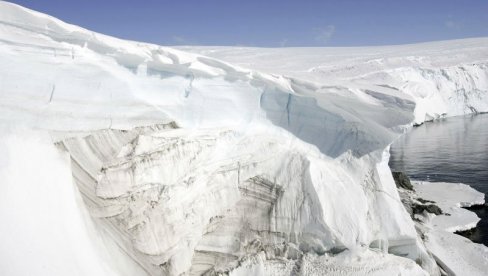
127 158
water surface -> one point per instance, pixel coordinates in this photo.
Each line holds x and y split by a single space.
449 150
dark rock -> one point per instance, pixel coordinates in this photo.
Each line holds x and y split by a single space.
477 207
431 208
407 204
421 200
474 234
402 180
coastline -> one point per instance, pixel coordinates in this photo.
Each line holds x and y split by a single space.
475 234
454 253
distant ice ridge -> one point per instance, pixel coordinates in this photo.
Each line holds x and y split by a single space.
446 78
196 164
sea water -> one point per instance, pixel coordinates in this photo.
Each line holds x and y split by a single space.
451 150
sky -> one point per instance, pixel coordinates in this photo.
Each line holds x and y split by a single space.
272 23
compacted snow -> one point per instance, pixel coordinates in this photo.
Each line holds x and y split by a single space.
214 160
46 228
456 254
451 198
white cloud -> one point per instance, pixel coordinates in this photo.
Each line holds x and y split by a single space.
178 39
325 34
283 42
453 25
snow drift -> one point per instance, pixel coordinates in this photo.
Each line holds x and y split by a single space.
225 159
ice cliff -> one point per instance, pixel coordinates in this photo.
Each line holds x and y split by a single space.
215 160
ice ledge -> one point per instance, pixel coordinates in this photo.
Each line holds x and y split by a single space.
451 197
455 254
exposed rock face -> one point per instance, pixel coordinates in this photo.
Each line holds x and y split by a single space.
430 208
413 204
402 180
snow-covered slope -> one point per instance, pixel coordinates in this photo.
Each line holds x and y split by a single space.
442 78
196 163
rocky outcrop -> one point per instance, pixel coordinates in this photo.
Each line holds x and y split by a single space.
402 180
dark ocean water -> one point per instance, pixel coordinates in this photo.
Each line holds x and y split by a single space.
449 150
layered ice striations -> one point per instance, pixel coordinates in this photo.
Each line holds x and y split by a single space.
202 201
193 164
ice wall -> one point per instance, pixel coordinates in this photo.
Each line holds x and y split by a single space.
46 228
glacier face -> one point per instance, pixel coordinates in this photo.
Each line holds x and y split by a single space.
243 160
180 197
